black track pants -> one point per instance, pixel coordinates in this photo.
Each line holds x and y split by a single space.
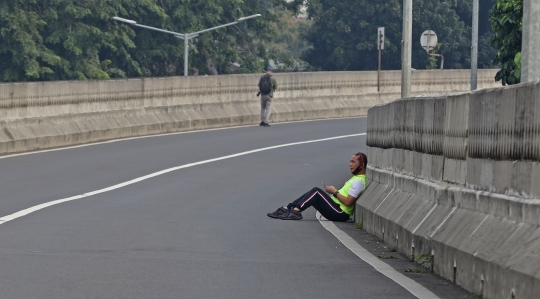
322 202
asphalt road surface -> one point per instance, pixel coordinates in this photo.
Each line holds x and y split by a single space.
198 230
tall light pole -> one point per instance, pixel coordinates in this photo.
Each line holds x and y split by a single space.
530 42
474 46
185 36
406 49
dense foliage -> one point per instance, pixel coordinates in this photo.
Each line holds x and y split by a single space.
343 34
60 39
507 20
64 39
286 49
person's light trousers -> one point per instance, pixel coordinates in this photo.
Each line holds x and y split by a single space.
266 107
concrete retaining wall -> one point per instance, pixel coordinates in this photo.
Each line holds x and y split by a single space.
458 177
51 114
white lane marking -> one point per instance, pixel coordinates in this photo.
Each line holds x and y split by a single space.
160 135
410 285
117 186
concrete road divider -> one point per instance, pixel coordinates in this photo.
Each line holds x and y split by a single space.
457 178
42 115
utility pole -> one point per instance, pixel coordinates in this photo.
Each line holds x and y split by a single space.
406 50
380 47
474 46
186 51
530 47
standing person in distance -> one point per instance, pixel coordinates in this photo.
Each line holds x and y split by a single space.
267 86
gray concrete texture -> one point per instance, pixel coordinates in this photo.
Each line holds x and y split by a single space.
475 205
51 114
530 60
491 137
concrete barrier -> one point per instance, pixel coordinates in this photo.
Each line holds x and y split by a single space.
458 177
51 114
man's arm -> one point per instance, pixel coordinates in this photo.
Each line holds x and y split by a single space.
346 200
356 189
274 83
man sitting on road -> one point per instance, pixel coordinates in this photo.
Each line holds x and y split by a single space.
339 206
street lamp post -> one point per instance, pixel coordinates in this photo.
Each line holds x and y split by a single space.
185 36
474 47
530 42
406 49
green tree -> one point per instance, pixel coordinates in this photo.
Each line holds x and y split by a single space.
286 48
506 21
485 51
89 43
349 41
22 50
343 33
66 40
63 40
211 52
454 36
463 9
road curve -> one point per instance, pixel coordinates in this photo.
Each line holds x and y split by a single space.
193 232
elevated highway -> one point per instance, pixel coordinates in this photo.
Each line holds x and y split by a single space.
453 175
184 216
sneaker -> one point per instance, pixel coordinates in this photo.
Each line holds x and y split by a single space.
266 125
292 215
277 213
261 124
